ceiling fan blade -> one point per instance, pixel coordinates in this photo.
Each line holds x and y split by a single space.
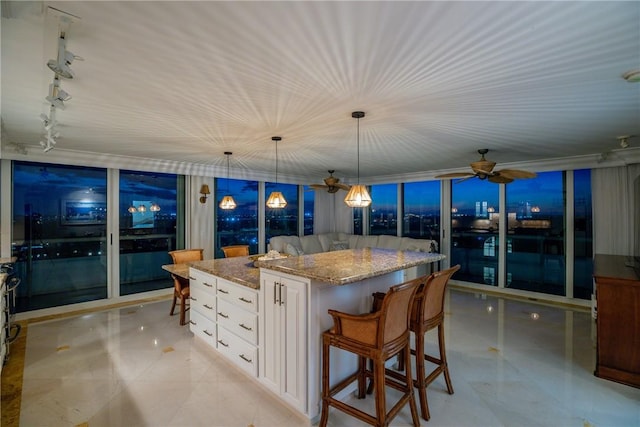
464 179
319 186
344 187
499 179
516 174
456 175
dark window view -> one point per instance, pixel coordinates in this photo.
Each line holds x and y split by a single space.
282 222
148 229
383 218
237 226
583 245
422 210
358 221
309 206
536 233
474 230
59 234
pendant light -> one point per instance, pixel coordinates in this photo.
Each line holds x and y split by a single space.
358 196
276 199
227 201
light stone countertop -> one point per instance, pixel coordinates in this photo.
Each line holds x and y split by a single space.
350 265
336 267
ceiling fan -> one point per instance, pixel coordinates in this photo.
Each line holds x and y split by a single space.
483 169
331 184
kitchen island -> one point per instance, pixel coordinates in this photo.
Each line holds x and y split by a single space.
269 319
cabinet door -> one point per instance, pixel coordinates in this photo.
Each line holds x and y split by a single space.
269 332
293 377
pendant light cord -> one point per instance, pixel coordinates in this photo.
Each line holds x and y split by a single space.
358 150
276 161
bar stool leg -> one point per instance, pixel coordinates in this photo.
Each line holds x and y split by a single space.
443 357
325 384
421 376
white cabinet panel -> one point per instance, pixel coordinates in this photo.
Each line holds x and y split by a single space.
241 322
284 338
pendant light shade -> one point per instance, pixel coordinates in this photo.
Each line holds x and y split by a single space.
276 200
358 196
227 202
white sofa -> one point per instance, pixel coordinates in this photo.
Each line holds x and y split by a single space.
315 243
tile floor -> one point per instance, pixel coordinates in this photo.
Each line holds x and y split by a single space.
513 363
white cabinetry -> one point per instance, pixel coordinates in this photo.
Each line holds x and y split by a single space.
283 337
224 315
237 319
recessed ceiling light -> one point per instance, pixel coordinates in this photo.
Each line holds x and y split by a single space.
632 76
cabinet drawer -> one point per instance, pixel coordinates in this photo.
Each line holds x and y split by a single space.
241 322
242 296
203 327
238 351
202 280
203 302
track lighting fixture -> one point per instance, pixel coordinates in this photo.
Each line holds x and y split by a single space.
49 122
60 66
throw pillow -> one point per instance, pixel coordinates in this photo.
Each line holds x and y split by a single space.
339 245
292 250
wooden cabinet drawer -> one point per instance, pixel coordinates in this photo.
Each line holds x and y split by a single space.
238 351
201 280
242 296
203 302
203 327
241 322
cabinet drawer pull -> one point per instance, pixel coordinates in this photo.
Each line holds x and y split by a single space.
246 359
192 278
193 299
207 285
223 315
208 333
243 326
248 301
208 306
192 322
222 291
223 343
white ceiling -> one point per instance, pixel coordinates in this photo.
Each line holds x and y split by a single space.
185 81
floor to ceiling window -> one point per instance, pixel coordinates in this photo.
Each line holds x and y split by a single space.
383 217
59 234
422 210
237 226
309 206
474 230
282 221
149 223
583 235
536 234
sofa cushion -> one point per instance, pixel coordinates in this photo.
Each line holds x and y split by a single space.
389 242
290 249
367 242
311 244
279 243
326 239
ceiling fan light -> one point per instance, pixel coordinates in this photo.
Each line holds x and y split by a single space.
276 200
358 197
227 203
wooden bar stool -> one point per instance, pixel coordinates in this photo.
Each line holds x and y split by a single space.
427 313
181 285
235 250
378 337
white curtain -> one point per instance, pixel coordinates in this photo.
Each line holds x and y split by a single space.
615 202
331 214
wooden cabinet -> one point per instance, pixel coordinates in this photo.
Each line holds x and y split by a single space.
224 315
618 320
283 338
